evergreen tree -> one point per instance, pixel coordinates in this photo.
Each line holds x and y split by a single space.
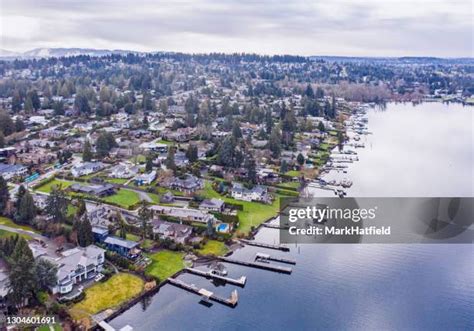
19 125
250 166
192 153
2 140
46 274
274 143
27 209
122 226
22 280
56 205
85 236
309 91
321 127
169 162
145 215
149 163
283 167
4 195
268 121
81 208
87 152
300 159
236 132
19 195
7 127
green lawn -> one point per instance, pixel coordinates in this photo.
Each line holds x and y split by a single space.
124 198
132 237
4 234
117 180
47 188
56 327
253 213
165 264
115 291
213 247
8 222
294 185
292 173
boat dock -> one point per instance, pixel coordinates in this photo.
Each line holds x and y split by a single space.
264 266
205 294
275 226
265 245
239 282
267 257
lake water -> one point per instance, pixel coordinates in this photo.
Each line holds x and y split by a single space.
425 150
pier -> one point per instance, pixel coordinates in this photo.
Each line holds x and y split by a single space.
265 245
268 257
267 266
275 226
205 294
239 282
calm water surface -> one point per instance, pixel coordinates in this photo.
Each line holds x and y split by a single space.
425 150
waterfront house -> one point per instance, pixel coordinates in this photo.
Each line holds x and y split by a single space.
185 214
216 205
86 168
75 266
100 233
256 193
124 247
179 233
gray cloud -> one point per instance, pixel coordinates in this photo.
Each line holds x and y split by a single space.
341 27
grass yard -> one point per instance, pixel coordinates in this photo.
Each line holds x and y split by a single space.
5 233
124 198
48 187
8 222
115 291
292 173
253 213
291 185
165 264
213 247
117 180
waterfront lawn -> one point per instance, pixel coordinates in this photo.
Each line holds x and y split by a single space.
124 198
8 222
164 264
253 213
115 291
213 247
48 187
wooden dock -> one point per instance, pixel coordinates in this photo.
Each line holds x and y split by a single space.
205 294
275 226
264 266
239 282
265 245
267 257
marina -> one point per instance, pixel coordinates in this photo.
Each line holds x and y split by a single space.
267 257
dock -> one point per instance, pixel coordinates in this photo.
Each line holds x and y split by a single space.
275 226
264 266
205 294
265 245
268 257
239 282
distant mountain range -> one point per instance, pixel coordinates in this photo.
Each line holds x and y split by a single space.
64 52
60 52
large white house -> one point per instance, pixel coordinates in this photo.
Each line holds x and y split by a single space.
86 168
77 265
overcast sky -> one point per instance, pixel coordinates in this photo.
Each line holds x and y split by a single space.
329 27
